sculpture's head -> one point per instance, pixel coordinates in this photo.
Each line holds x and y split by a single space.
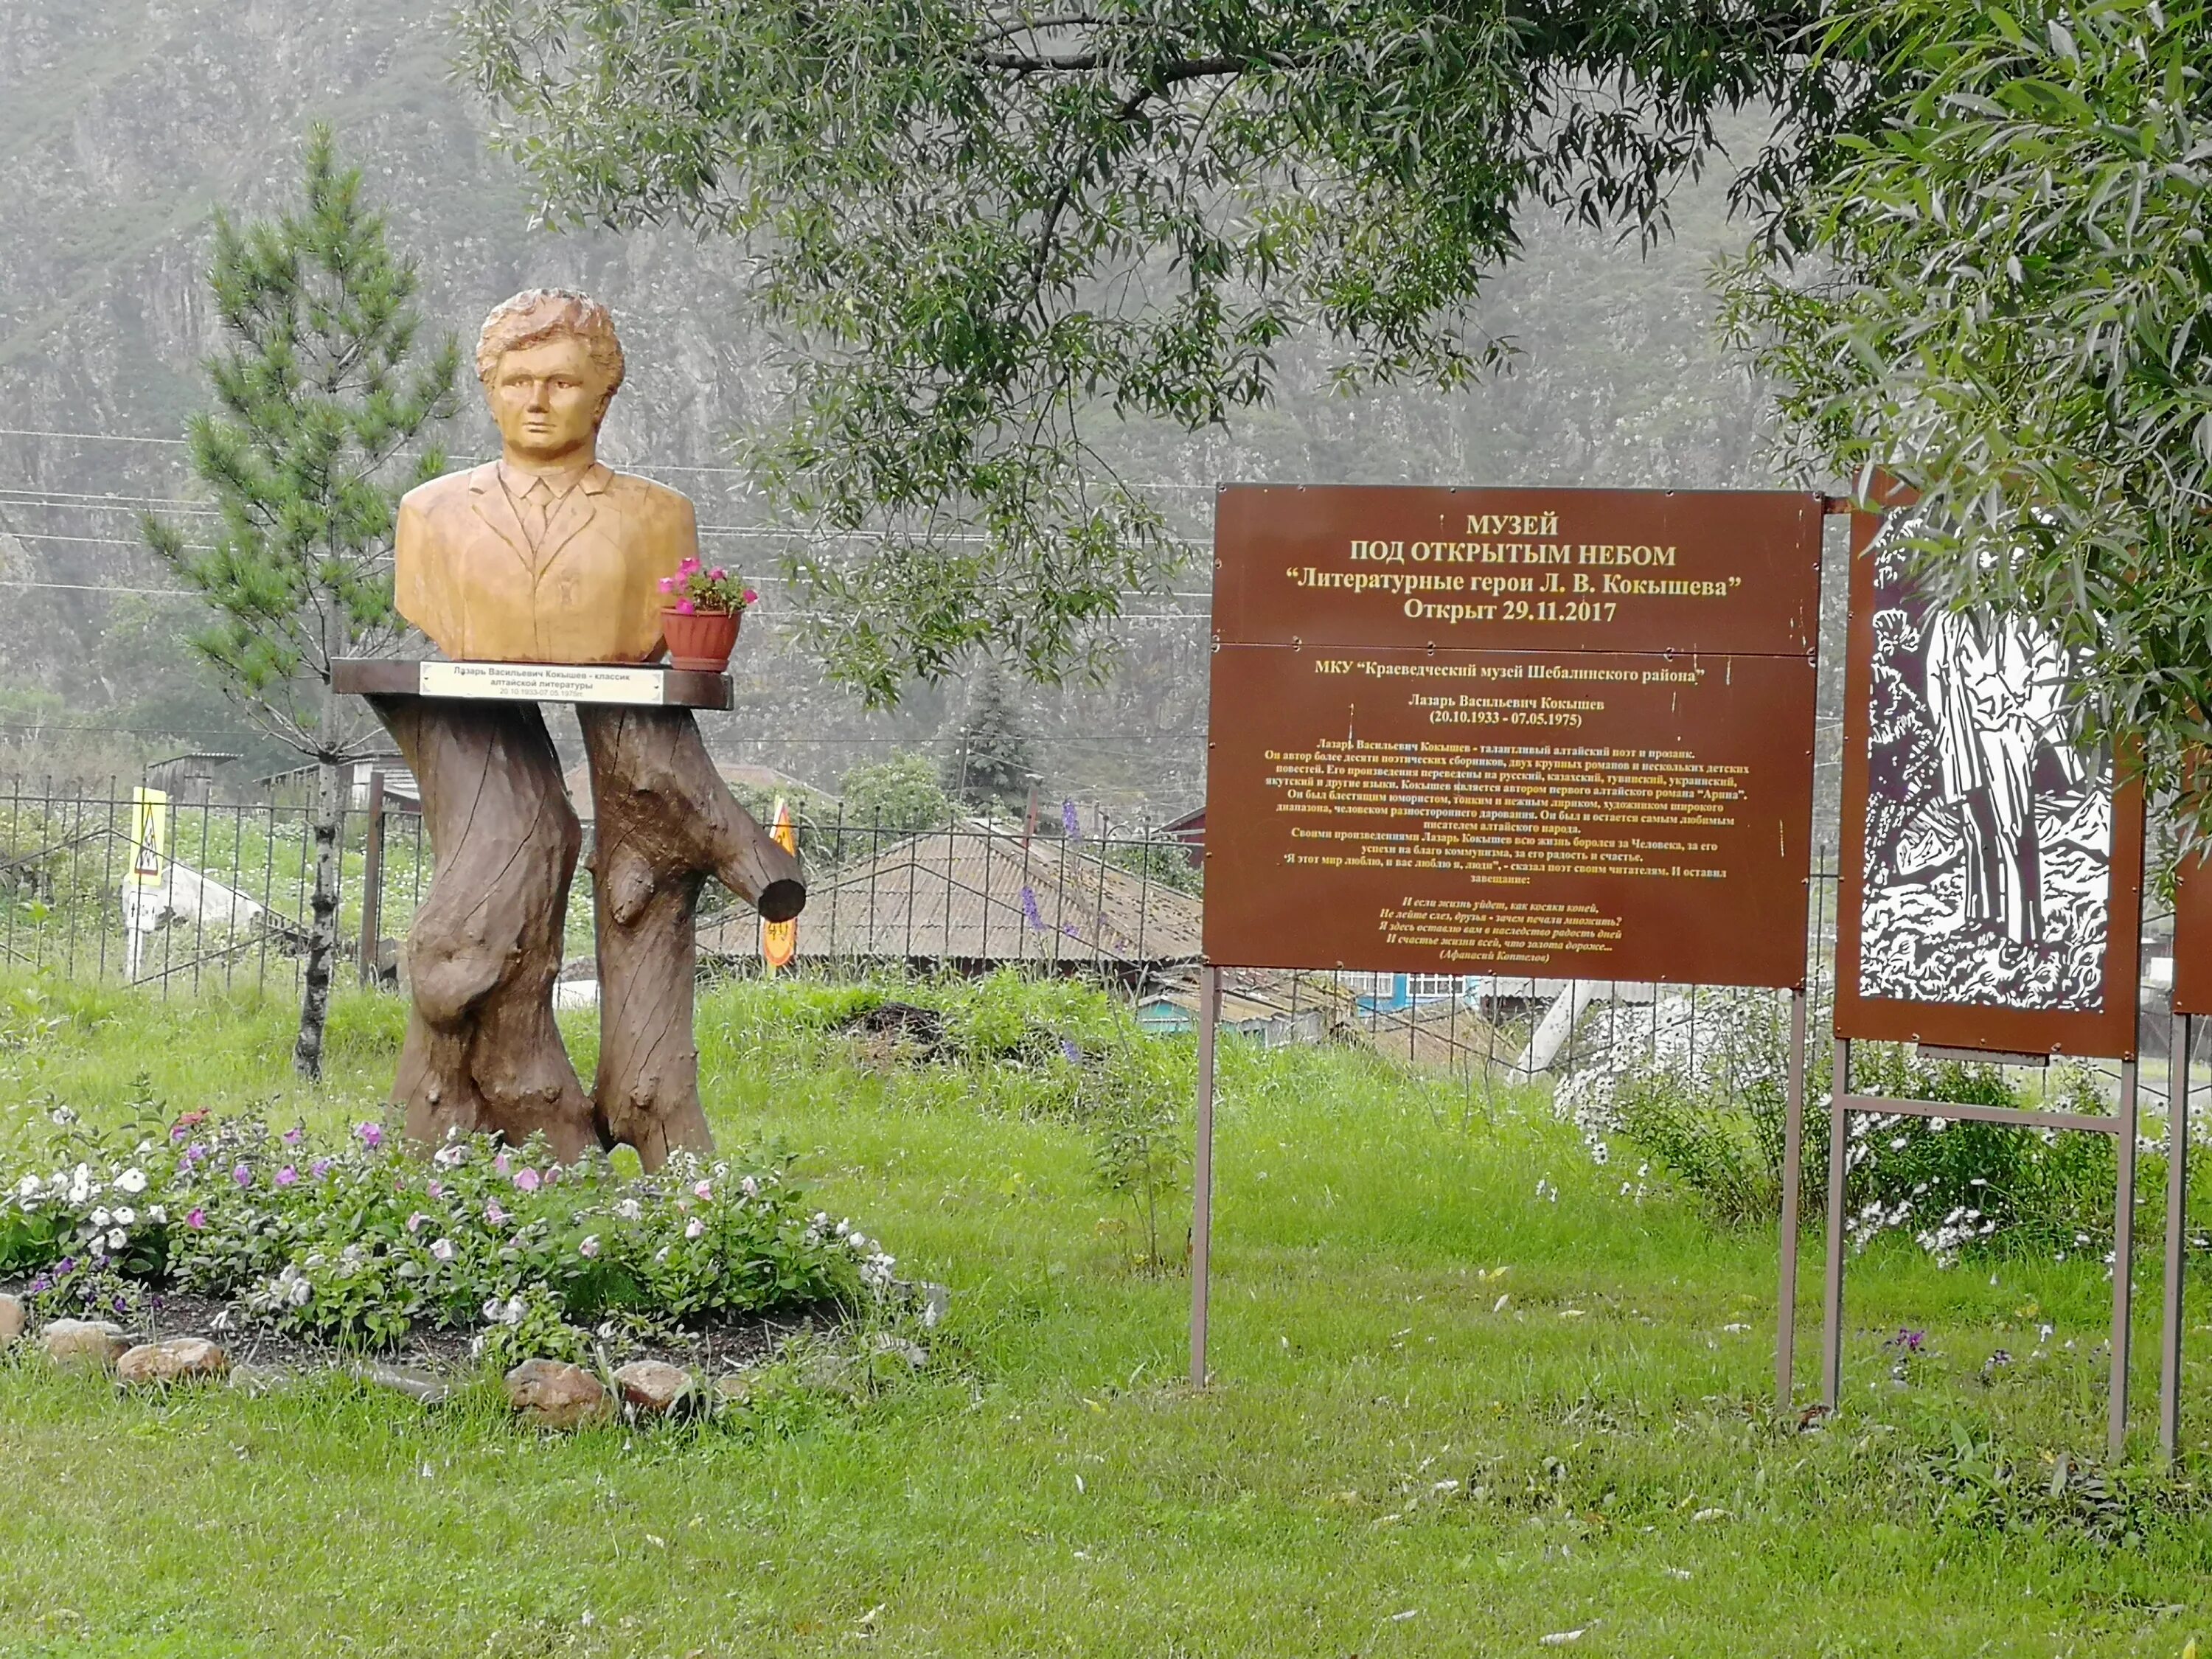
551 364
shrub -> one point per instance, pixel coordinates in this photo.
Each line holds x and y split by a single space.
1697 1083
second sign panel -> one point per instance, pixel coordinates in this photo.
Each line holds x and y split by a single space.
1992 874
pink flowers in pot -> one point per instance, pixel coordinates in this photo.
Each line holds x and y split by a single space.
696 588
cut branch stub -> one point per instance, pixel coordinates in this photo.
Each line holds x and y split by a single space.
665 822
482 1053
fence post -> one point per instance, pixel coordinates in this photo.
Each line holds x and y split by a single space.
371 883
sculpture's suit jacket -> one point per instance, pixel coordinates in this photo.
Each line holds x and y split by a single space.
466 574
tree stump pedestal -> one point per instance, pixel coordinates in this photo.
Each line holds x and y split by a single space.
482 1053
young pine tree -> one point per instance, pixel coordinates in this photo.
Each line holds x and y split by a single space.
319 389
988 759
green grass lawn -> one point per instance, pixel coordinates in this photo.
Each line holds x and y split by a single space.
1450 1416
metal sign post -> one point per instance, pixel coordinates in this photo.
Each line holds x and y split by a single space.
1201 1200
1793 1163
2176 1235
2121 1125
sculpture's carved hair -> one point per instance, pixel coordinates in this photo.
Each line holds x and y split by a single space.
544 314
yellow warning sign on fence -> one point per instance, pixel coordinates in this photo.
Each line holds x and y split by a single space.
149 836
780 939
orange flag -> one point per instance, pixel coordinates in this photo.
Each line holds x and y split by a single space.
780 939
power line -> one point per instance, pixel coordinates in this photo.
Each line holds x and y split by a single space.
647 469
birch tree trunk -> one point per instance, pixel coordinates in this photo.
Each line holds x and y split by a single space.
322 921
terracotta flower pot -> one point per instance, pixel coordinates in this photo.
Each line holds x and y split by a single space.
701 640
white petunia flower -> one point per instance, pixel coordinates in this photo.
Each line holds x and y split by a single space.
117 1238
100 1217
125 1216
131 1180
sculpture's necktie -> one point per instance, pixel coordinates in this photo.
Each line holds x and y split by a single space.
532 508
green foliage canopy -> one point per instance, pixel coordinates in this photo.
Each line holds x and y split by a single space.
981 223
2004 303
900 794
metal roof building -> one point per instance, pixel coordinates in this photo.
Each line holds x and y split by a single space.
978 896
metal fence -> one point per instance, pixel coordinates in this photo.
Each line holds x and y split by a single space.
1077 893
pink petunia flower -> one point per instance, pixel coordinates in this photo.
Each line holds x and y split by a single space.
195 1217
293 1136
287 1176
685 608
501 1164
526 1181
720 575
494 1214
242 1175
415 1221
435 1188
752 598
442 1249
372 1134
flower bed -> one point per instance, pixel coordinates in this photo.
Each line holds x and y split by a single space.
360 1244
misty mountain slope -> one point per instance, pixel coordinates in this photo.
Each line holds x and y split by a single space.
123 124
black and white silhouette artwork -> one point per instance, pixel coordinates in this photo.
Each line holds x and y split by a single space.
1989 836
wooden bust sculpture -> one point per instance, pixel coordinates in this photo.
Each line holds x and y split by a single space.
547 556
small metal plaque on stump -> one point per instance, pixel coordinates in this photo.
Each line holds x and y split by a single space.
652 685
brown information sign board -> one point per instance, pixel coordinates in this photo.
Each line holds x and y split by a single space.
1534 789
1991 891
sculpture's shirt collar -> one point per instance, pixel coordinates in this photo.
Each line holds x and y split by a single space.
519 481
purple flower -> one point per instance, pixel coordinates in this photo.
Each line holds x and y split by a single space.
436 1189
1029 908
195 1217
287 1176
242 1175
1069 822
194 1153
293 1136
526 1181
1074 1054
494 1214
180 1132
372 1134
501 1165
320 1168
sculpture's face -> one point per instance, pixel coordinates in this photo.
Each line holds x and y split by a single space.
547 398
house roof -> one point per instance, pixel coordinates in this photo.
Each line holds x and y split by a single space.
977 894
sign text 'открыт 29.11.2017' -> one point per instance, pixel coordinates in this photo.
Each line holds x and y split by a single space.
1555 733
